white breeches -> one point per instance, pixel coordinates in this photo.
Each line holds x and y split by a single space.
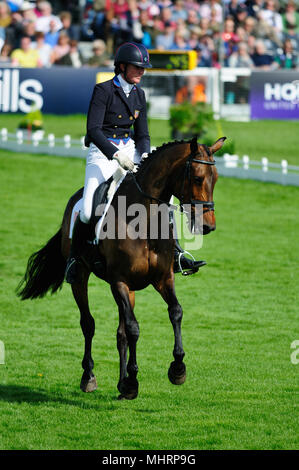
99 169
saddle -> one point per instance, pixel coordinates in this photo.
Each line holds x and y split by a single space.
100 199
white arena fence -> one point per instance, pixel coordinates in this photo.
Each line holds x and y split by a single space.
228 165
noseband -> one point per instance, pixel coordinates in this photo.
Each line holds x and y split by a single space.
207 205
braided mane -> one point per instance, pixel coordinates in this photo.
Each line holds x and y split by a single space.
147 160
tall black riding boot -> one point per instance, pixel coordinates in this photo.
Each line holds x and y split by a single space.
79 237
185 265
181 263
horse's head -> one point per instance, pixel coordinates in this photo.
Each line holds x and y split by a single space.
197 184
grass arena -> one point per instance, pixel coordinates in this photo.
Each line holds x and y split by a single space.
239 325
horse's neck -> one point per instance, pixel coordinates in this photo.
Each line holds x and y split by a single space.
159 171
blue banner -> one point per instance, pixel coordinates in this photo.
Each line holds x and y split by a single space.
274 95
59 90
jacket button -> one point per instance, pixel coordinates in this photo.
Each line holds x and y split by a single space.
119 116
126 135
115 127
131 118
114 136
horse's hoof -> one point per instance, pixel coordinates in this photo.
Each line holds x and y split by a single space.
128 389
177 373
88 385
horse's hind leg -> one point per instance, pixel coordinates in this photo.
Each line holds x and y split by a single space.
127 336
177 369
88 381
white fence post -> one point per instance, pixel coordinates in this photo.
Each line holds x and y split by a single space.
4 134
35 139
265 164
230 161
51 140
245 162
284 167
67 141
19 135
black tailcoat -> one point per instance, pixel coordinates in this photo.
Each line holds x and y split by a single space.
111 116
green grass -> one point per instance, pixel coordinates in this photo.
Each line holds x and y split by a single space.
276 140
240 317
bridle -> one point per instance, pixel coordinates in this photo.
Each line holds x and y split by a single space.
206 205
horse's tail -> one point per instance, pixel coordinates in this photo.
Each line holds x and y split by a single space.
45 270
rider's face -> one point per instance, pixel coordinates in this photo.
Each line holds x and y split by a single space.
133 73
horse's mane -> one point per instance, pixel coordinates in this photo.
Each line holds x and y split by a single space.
145 161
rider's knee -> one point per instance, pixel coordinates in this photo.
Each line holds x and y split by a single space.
85 216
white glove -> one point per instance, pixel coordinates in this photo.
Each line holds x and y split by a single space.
124 160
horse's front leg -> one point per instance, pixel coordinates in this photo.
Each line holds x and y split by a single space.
127 336
177 369
88 381
122 342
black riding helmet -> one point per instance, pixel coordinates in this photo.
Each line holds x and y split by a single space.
132 53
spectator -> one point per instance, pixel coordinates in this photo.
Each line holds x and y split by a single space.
294 37
73 31
43 22
241 15
52 36
192 91
240 58
255 7
5 15
26 56
166 19
193 40
120 15
270 15
149 33
287 58
179 42
229 38
192 19
178 11
203 60
5 59
204 25
73 58
62 48
206 7
43 49
29 30
261 58
28 13
100 57
149 7
290 18
164 40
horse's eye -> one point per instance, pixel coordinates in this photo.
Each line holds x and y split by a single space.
198 179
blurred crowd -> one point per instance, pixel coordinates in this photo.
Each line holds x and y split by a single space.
232 33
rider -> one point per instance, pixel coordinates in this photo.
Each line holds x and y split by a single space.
115 106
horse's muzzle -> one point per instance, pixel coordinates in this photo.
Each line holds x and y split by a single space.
207 228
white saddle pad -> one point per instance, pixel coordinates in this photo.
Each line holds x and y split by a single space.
117 180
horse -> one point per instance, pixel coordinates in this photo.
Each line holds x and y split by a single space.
184 169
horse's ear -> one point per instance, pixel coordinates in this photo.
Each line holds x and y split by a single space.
217 145
193 145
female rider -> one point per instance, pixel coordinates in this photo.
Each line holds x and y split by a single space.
115 106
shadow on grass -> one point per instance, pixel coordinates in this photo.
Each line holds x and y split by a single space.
20 394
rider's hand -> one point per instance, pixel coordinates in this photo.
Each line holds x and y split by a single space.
124 160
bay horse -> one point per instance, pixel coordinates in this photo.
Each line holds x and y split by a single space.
184 169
